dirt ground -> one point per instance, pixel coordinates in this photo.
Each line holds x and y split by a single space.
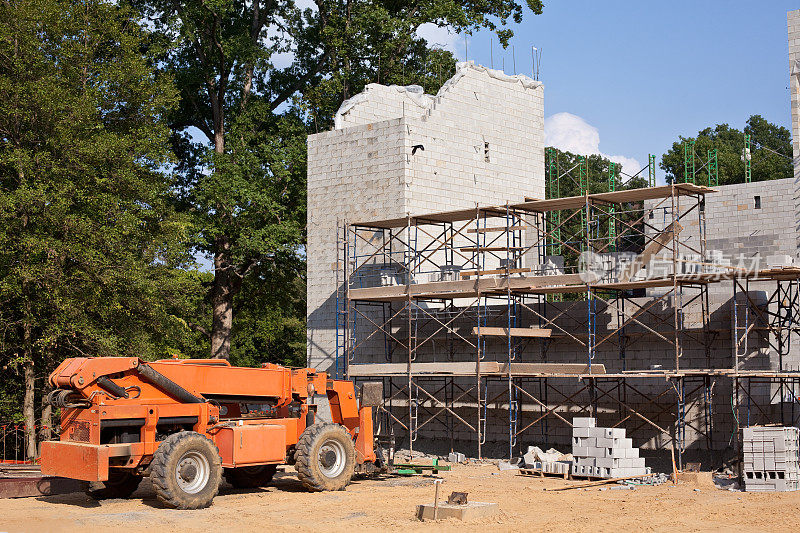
389 504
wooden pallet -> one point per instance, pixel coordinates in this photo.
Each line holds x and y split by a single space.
541 473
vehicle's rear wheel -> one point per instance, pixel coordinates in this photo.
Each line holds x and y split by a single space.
247 477
325 457
120 484
186 471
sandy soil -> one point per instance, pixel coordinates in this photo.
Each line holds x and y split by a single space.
389 504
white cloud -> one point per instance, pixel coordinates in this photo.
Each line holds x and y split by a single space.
442 36
569 132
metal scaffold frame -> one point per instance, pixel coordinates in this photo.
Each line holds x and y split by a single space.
460 304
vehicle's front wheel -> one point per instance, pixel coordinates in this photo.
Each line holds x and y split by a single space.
186 471
325 457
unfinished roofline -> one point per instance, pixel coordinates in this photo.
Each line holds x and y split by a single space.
425 101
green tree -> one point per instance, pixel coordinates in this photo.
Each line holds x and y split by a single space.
270 324
243 116
599 171
88 241
771 153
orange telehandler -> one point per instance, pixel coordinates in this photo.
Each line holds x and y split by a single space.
188 422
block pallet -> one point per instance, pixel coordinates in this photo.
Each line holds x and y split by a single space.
604 452
770 458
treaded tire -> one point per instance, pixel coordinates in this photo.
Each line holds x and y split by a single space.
248 477
311 467
120 484
166 469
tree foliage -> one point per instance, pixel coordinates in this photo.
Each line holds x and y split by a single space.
270 324
89 243
771 153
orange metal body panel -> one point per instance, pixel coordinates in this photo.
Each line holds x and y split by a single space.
218 380
75 460
344 404
365 445
251 444
83 425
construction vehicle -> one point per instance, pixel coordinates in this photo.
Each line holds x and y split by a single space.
188 422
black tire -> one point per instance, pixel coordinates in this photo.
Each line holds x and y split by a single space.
120 484
248 477
186 471
325 457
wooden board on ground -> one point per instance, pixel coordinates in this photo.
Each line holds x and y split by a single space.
604 481
532 472
25 487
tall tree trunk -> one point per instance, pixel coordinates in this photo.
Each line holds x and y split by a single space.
222 300
47 424
29 412
222 290
47 418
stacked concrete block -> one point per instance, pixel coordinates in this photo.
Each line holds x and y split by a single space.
378 102
770 459
603 452
551 467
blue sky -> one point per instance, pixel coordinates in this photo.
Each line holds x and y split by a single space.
642 73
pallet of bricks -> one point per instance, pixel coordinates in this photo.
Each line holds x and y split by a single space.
770 458
603 452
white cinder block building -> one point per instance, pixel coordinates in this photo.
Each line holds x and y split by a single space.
395 151
793 23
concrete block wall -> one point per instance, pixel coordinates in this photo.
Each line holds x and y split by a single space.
553 432
746 223
396 152
793 24
735 225
743 221
357 173
379 102
483 142
454 131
